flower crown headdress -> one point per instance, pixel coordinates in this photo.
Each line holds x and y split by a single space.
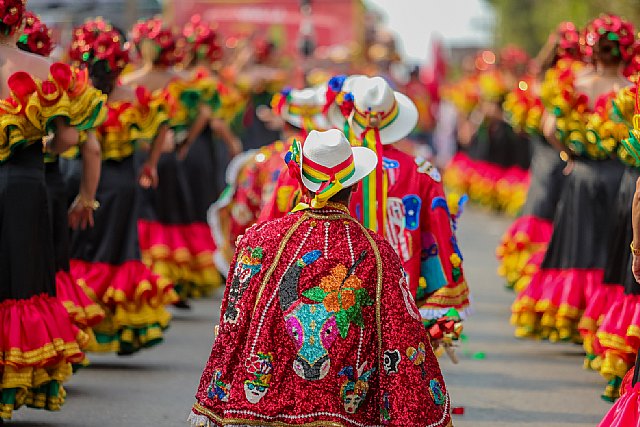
203 39
96 41
169 48
36 36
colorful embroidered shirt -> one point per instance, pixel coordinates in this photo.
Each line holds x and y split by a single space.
318 327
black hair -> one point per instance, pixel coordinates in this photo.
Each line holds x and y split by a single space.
103 77
341 196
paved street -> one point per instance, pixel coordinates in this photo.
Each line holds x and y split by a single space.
517 383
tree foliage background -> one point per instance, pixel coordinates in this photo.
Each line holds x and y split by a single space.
528 23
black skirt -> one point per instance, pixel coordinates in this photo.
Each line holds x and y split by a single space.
27 266
546 181
582 224
619 257
172 201
496 142
114 238
58 208
201 168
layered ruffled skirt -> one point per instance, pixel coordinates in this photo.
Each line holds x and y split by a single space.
38 341
105 261
573 268
524 243
175 239
488 184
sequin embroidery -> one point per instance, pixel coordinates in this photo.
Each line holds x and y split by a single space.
249 264
259 367
355 387
391 361
435 390
417 356
217 388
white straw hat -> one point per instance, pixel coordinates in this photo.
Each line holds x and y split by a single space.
377 106
329 153
303 108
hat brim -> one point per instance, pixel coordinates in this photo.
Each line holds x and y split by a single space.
401 127
365 161
320 121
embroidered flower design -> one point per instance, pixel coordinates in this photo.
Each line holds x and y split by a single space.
341 293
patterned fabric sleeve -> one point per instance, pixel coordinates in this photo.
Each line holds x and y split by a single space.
412 390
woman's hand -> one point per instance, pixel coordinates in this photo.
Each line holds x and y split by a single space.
81 213
149 176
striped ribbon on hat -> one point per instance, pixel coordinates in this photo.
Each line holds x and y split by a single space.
331 179
374 187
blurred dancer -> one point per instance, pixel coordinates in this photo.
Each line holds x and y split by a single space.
106 258
39 341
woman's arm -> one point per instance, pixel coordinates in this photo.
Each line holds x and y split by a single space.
635 219
149 175
81 210
222 129
64 138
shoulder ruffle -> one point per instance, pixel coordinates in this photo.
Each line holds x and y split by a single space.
130 122
593 133
27 115
523 108
189 95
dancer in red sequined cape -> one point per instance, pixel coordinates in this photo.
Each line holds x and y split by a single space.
318 326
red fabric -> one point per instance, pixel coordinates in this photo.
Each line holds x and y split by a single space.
528 229
83 311
626 411
33 324
265 313
599 304
131 280
622 320
195 238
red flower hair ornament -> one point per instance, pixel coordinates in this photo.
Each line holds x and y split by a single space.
36 36
98 41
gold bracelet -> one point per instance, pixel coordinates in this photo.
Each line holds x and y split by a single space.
87 204
634 250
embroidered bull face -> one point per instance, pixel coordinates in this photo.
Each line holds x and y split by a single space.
315 327
311 327
314 331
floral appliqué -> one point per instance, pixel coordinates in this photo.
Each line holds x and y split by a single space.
355 387
418 356
249 264
341 293
217 388
259 367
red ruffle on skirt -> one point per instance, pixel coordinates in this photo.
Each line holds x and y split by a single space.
626 411
551 306
527 236
488 184
83 311
182 253
127 283
38 332
618 336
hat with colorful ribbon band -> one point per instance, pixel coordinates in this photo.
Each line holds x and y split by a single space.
302 108
326 163
380 117
339 101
